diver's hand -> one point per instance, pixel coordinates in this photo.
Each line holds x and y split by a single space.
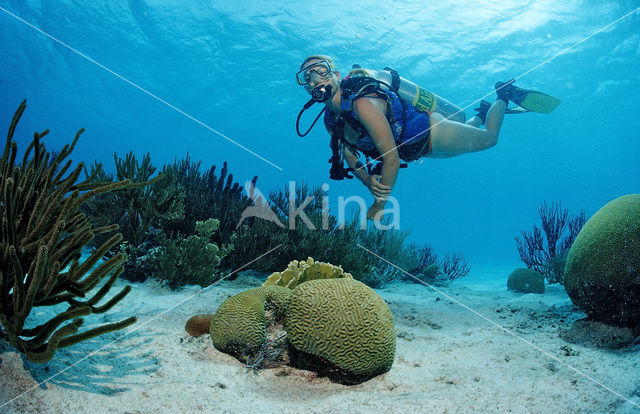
374 212
379 190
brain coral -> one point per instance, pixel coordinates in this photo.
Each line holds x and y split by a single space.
304 270
602 274
526 281
239 325
340 328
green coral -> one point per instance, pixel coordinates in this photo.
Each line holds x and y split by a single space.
43 233
321 237
526 281
195 259
207 194
328 239
301 271
545 248
390 245
239 325
148 202
207 228
340 328
140 209
429 274
298 237
602 273
337 327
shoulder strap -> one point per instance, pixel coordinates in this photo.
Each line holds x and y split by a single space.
355 87
395 79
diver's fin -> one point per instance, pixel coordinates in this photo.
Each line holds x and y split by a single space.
484 106
533 101
516 110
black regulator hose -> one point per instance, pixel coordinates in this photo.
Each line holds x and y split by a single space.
319 94
307 106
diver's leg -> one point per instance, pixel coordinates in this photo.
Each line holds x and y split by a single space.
453 138
480 118
474 121
495 116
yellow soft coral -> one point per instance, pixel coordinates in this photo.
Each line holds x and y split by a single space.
298 272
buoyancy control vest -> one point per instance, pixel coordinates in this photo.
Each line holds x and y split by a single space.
405 102
409 127
418 97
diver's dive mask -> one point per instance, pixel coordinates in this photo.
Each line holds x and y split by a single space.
317 71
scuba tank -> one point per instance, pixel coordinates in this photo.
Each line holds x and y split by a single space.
420 98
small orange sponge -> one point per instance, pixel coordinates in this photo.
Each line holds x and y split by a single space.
199 324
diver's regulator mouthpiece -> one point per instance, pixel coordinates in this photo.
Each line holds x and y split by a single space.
320 94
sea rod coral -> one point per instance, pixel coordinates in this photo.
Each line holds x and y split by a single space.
42 236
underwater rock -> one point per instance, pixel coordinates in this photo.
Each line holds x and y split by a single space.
526 281
199 324
602 274
340 328
301 271
599 335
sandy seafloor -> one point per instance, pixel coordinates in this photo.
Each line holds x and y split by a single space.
448 359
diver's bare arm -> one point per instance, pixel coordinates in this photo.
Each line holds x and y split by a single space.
359 170
379 190
371 113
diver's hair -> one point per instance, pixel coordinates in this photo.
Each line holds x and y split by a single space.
319 57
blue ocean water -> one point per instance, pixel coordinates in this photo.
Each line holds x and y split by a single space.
160 76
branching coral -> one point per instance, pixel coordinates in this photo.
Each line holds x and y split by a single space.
195 259
549 257
297 239
313 231
390 245
310 230
42 236
143 207
454 266
211 194
208 195
433 270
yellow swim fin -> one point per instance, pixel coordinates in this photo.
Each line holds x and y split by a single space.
533 101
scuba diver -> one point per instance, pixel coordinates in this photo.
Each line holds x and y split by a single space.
390 119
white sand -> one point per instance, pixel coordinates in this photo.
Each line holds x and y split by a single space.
448 359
